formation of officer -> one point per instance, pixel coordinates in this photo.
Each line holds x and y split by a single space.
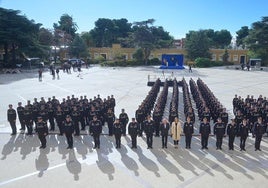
147 105
251 109
81 110
188 109
173 111
160 107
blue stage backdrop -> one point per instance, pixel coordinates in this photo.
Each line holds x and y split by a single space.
172 61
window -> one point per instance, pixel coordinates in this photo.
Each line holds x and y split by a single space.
104 55
125 56
235 57
96 55
214 56
220 58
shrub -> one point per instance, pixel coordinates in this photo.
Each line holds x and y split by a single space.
154 61
206 62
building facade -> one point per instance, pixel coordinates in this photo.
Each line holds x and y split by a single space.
110 53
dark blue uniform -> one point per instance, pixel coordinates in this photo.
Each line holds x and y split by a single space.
188 130
133 130
219 131
231 132
42 130
95 130
118 131
204 130
164 129
68 129
149 131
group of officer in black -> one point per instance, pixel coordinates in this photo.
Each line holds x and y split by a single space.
68 114
173 109
72 112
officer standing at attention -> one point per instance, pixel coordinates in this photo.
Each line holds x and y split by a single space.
42 131
110 118
11 117
243 132
20 111
219 131
118 130
258 131
28 120
95 130
204 131
188 130
164 129
75 117
149 131
133 130
123 118
231 132
68 129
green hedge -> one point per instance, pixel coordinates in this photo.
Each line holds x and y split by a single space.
129 63
206 62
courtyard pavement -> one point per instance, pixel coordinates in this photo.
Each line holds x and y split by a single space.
22 164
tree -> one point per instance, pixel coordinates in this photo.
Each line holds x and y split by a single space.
78 47
222 38
88 39
225 56
18 35
257 40
148 37
45 37
241 36
66 24
107 31
197 44
138 55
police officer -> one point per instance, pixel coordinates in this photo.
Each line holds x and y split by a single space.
219 131
188 130
50 112
243 132
204 131
110 118
231 132
68 129
149 130
20 112
123 118
133 130
258 131
95 130
28 120
164 129
140 117
75 114
59 116
118 130
42 131
11 117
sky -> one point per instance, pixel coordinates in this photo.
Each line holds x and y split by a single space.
177 17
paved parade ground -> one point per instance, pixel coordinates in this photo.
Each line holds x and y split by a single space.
22 164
